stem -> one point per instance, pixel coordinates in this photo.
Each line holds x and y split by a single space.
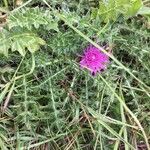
26 3
128 110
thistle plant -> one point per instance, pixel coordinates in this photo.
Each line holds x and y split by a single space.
60 88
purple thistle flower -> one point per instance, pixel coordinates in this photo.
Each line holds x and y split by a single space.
94 60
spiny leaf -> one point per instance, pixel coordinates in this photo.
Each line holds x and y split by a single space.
4 46
6 69
32 17
113 8
135 6
144 11
19 40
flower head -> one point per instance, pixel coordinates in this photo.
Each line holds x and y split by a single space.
94 60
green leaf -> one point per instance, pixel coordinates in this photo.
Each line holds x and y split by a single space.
33 17
16 45
135 6
19 40
144 10
111 9
6 69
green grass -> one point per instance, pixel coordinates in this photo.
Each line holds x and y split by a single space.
49 103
